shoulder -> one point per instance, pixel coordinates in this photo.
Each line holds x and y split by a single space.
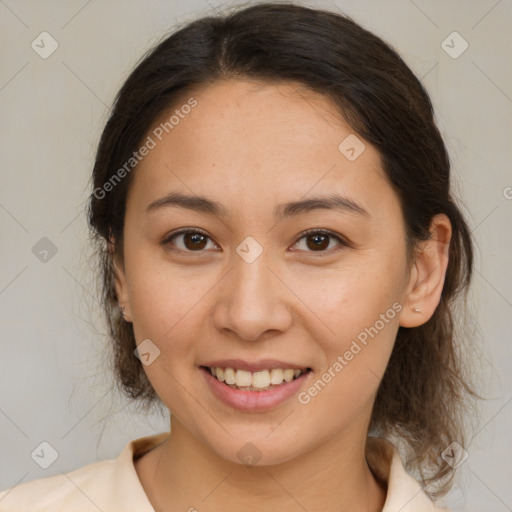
106 485
404 493
76 490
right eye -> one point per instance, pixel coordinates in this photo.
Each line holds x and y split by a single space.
190 240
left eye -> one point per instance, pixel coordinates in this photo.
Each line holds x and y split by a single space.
319 241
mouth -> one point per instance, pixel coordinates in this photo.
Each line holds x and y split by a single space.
262 380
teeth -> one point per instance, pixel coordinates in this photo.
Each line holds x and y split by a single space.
243 378
288 375
260 380
229 376
276 376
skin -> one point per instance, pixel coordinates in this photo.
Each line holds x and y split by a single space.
250 146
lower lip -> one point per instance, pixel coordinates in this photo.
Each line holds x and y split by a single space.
253 400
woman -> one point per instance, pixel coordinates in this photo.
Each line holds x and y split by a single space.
280 255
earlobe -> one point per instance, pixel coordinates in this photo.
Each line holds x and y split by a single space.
427 274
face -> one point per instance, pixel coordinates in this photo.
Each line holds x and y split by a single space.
236 281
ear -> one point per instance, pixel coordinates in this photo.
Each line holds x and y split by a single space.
120 282
427 274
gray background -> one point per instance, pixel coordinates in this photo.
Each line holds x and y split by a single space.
55 382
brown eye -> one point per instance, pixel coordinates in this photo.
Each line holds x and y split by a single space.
188 241
194 241
320 242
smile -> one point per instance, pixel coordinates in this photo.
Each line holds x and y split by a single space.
262 380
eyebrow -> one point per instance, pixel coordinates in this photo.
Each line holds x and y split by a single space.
207 206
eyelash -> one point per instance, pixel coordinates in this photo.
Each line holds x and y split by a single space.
342 242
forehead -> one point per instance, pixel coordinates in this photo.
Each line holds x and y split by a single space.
234 110
252 142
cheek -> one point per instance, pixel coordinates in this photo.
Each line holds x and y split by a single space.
359 305
165 309
352 296
169 311
356 357
161 293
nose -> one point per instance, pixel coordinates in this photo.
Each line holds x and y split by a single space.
252 301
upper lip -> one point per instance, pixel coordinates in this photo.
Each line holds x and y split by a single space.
253 366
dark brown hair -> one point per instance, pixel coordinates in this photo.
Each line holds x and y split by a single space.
421 396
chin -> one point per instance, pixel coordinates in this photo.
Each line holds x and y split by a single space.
256 450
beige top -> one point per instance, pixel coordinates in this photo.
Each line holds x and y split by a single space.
114 486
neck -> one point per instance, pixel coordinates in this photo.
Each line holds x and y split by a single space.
184 474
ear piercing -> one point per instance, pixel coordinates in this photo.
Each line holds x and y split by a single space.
121 309
416 310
